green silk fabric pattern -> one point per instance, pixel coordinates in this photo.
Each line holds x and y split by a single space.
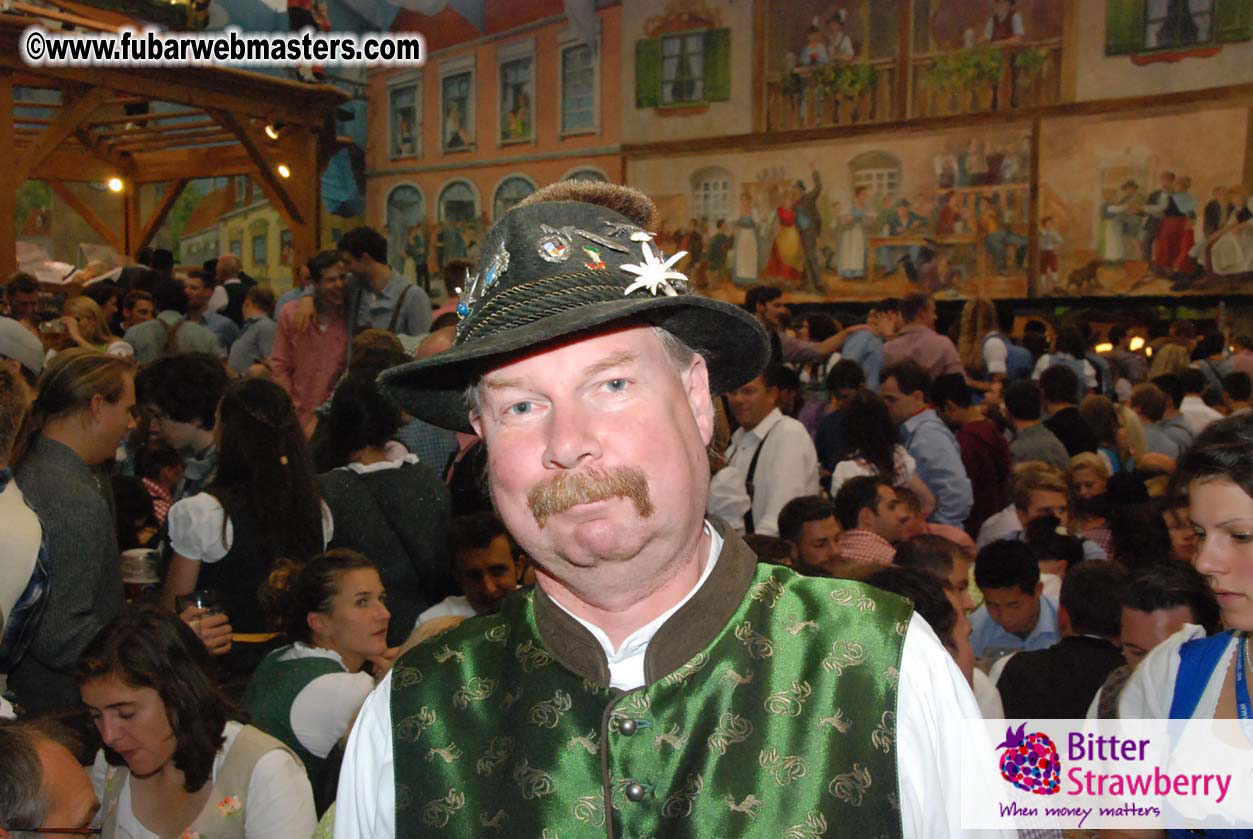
783 726
272 690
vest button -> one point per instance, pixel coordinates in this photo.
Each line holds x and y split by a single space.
635 791
627 727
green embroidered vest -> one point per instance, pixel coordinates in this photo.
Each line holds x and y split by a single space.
769 711
272 690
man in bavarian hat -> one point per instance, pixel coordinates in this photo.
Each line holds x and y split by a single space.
657 681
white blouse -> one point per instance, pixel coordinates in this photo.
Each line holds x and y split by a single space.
904 462
279 804
326 707
196 530
1150 691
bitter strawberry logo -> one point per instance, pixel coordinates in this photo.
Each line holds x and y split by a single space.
1030 762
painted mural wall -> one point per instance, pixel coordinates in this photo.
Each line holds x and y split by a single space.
1148 205
947 212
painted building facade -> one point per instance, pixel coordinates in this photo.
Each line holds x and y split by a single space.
493 115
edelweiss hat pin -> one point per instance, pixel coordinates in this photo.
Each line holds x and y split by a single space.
575 257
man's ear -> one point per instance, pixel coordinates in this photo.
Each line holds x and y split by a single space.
861 518
699 399
1063 621
476 422
95 407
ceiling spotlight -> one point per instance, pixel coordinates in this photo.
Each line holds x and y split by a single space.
284 171
1101 349
272 130
1137 344
115 184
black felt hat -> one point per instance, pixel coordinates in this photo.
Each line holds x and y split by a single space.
574 258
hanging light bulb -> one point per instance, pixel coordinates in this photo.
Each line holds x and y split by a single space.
284 171
115 184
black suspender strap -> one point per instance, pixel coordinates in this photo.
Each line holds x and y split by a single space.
391 325
748 481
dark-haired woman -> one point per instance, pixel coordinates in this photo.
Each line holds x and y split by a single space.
1190 676
870 436
173 763
393 510
263 505
308 693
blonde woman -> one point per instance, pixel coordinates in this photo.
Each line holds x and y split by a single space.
86 325
1087 476
1169 358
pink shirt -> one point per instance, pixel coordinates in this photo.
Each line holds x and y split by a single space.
932 351
308 364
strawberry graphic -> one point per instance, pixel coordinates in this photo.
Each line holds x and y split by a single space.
1030 762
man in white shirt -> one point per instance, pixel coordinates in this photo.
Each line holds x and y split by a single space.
1196 414
592 389
774 452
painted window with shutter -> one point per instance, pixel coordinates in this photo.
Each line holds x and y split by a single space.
683 68
578 90
1141 26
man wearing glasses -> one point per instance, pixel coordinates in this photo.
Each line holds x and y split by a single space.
43 789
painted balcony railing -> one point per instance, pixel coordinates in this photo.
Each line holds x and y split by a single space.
833 94
986 78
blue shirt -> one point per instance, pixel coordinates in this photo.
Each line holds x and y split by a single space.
934 449
380 310
866 348
988 638
253 345
225 329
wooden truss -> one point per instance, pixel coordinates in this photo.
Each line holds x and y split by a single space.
200 122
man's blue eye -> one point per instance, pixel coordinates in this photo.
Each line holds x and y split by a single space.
520 408
617 384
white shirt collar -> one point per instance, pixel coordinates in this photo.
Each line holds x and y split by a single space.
626 664
761 429
303 650
362 469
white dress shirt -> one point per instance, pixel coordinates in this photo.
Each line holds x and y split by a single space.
932 700
787 468
1196 414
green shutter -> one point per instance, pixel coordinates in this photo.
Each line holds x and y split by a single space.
1233 20
718 65
1124 26
647 73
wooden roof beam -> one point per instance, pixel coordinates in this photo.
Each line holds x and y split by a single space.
70 118
149 117
173 164
275 188
218 89
122 132
121 161
62 17
87 214
159 213
75 164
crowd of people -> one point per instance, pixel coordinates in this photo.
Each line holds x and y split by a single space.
399 573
